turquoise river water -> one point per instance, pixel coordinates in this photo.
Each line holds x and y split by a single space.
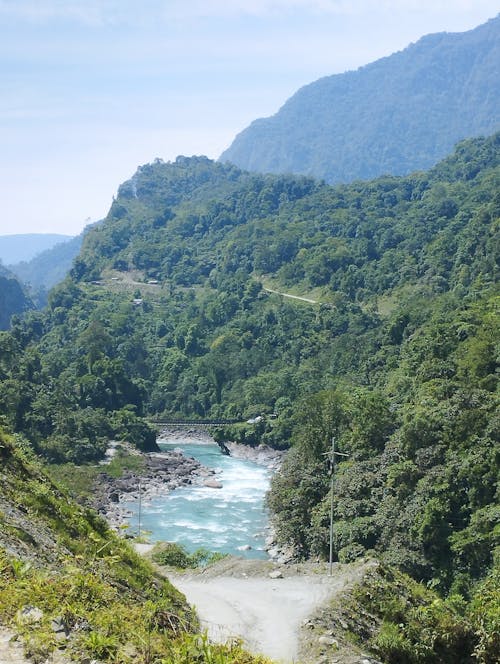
223 520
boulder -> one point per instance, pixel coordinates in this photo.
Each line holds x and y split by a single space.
212 484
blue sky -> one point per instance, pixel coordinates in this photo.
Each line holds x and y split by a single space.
93 88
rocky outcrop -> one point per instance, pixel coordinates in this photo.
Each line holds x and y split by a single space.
262 454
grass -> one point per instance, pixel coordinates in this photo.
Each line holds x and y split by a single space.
113 606
79 480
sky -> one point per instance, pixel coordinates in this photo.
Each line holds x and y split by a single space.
91 89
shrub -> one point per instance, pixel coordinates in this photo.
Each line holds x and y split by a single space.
175 555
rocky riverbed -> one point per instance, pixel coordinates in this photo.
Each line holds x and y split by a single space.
261 454
161 473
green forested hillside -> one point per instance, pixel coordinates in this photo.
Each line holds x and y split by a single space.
13 299
168 312
395 115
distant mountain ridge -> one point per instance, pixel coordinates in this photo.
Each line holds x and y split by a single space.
393 116
48 268
25 246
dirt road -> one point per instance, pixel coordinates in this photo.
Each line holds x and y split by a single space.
266 613
289 295
12 651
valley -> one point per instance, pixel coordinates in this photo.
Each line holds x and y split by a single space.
331 346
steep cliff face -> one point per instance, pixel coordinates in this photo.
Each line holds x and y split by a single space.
398 114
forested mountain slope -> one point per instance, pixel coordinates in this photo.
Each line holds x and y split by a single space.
166 313
13 299
395 115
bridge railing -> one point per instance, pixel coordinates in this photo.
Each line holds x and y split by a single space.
185 422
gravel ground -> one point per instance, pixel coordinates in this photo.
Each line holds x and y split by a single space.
265 604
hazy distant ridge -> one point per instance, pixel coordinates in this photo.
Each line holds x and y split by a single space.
24 247
398 114
49 267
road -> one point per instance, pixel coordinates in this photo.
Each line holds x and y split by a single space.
267 613
293 297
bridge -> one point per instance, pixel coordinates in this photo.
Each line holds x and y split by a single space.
191 423
199 424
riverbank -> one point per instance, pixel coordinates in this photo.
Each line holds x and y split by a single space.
192 434
161 473
157 474
261 454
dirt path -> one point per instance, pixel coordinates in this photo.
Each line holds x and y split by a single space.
11 651
293 297
267 613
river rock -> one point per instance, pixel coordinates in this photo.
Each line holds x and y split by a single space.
162 472
212 484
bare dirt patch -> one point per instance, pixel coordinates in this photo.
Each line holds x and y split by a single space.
239 598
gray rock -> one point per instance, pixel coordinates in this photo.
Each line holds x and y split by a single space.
212 484
327 640
60 628
276 574
29 615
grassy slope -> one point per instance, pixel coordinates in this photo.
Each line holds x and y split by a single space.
64 560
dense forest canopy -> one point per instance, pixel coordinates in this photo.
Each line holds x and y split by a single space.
169 311
395 115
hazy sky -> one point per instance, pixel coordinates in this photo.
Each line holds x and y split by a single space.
90 89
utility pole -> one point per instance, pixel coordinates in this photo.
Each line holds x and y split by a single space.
139 515
332 454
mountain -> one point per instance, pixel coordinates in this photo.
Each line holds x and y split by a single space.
50 266
366 312
47 268
13 299
24 247
398 114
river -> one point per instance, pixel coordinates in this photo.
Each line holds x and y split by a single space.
225 520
